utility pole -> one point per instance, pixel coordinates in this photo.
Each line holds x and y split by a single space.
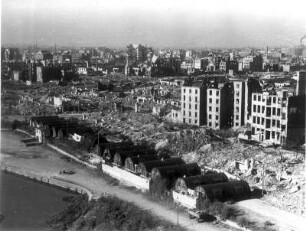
66 128
263 172
177 216
263 177
98 143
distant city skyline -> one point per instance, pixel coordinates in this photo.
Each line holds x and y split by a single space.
164 24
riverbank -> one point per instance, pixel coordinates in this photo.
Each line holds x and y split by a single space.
61 184
107 212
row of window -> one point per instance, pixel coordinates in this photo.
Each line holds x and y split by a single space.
190 90
273 134
216 124
217 92
259 120
195 114
211 101
189 105
195 98
275 111
210 109
210 91
190 121
260 98
210 116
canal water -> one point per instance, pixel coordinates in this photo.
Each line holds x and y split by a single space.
27 205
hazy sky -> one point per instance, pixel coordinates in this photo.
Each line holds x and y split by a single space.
157 23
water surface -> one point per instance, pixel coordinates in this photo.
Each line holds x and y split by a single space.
27 205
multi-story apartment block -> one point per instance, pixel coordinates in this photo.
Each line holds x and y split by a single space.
213 107
193 104
301 83
270 116
257 64
252 87
296 120
220 105
240 102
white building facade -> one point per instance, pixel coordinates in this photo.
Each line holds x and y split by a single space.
213 107
269 117
190 105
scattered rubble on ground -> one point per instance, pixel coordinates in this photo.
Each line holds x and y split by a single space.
280 171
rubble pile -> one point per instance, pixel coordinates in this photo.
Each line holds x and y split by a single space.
187 140
279 172
284 179
214 153
135 126
34 108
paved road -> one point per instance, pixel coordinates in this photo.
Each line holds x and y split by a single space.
284 220
45 162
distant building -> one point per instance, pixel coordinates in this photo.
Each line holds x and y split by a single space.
39 74
187 66
176 115
30 70
16 75
57 59
190 54
199 64
82 70
137 53
51 73
240 65
232 65
38 56
76 57
211 67
10 55
246 62
286 68
162 66
58 102
120 66
257 64
222 66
